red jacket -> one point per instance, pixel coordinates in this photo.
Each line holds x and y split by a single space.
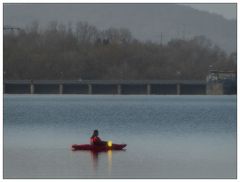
95 139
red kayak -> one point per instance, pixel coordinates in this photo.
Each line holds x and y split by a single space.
98 148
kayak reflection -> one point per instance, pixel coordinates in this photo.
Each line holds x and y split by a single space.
97 150
95 156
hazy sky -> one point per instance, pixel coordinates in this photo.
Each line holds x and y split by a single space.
229 11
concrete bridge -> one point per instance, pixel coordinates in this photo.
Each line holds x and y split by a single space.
136 87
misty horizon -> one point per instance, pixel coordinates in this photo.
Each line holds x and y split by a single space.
158 23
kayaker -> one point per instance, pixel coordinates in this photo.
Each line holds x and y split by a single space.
95 140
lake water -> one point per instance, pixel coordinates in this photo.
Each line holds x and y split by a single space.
167 136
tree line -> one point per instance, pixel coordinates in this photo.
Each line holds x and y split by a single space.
84 52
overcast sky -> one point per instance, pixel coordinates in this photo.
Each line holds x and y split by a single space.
229 11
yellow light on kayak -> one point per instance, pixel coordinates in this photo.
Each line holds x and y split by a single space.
109 143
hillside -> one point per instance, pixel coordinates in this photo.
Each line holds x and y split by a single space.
154 22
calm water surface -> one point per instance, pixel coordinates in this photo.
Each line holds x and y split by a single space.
167 136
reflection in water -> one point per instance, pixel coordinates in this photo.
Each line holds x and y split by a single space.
94 156
109 153
95 160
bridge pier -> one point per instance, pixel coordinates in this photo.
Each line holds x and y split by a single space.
61 89
32 88
215 89
89 89
148 89
178 89
119 89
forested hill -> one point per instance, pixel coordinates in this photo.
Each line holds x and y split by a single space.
85 52
145 21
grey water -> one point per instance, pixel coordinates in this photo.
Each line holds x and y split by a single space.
166 136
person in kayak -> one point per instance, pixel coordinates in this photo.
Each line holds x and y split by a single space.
95 140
